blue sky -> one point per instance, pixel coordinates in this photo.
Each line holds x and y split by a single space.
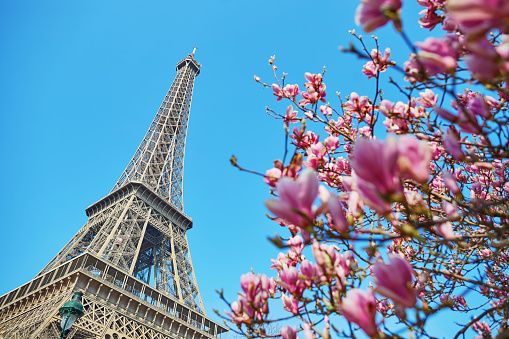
81 81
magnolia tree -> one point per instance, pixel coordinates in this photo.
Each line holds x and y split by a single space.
401 213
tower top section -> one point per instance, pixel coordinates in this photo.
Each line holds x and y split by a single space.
159 160
190 61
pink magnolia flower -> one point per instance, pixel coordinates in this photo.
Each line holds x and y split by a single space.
445 114
308 334
375 162
326 111
446 300
289 280
252 304
309 97
369 69
429 20
331 142
378 63
378 168
291 91
291 116
437 55
360 307
281 261
483 61
338 213
365 131
394 280
397 115
268 286
277 92
414 158
355 204
412 69
372 14
358 106
315 89
479 106
288 332
313 79
479 15
308 271
296 244
295 203
272 176
290 304
241 312
452 146
330 264
445 230
451 210
249 283
450 182
427 98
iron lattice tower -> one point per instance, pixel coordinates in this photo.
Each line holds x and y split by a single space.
131 259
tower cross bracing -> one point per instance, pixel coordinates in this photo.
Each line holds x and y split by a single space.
131 259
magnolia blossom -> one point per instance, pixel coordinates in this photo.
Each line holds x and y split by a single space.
378 63
308 334
291 91
277 92
379 166
436 55
375 163
372 14
308 272
445 231
315 89
452 146
427 98
450 182
288 332
484 61
291 116
296 244
360 307
394 280
414 157
272 176
338 214
289 280
330 264
252 304
290 304
429 20
479 15
295 203
326 110
451 210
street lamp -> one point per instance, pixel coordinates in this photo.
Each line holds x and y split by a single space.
71 311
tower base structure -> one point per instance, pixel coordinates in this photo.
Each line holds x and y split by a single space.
118 302
116 305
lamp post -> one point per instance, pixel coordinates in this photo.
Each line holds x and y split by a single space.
71 311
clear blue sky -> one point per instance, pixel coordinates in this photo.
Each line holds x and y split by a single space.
81 81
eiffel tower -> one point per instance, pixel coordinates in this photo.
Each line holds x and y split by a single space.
131 259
